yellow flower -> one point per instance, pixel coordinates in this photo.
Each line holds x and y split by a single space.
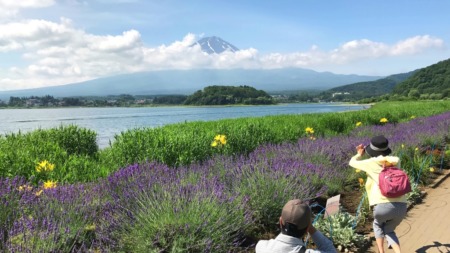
45 166
359 123
357 170
49 184
361 181
50 166
403 145
90 227
384 120
312 138
25 188
38 193
223 139
43 163
416 149
309 130
413 117
219 139
432 169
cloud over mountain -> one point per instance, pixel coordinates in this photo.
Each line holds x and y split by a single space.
48 52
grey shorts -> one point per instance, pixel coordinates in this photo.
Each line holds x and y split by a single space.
387 216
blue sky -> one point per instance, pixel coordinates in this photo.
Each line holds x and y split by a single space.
54 42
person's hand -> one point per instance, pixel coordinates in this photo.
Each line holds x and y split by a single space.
311 228
360 149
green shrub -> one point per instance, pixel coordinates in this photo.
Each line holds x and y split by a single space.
67 148
339 227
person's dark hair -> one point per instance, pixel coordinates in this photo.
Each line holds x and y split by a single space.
292 230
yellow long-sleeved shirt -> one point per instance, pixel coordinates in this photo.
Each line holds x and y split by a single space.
373 167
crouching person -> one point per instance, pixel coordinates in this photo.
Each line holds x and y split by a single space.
295 222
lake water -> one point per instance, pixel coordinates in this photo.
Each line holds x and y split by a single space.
107 122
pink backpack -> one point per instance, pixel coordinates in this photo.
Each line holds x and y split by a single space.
393 182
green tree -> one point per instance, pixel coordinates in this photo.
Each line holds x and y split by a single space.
227 95
414 93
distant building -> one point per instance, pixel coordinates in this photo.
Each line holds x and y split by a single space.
341 93
33 102
141 101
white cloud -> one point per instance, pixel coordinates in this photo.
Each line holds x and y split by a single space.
25 3
31 34
416 45
352 51
57 53
9 8
128 40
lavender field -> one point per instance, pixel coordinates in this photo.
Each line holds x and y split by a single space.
223 204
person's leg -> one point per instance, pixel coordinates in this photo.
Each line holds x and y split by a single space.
397 214
380 243
396 248
379 214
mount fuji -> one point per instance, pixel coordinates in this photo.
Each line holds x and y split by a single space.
215 45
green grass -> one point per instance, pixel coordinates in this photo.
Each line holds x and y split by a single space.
77 159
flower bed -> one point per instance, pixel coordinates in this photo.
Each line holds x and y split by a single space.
222 204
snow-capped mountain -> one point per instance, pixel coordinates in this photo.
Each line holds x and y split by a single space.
215 45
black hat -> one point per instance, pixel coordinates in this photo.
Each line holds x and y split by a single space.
378 146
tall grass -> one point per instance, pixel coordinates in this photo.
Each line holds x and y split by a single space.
184 143
71 149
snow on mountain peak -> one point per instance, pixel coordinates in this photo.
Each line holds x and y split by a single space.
215 45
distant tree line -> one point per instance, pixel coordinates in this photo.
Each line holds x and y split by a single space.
50 101
212 95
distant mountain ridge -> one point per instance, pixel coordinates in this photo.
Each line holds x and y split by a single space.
189 81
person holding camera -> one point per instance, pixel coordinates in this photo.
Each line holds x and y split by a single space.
295 222
388 212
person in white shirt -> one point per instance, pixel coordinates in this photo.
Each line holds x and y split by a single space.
295 222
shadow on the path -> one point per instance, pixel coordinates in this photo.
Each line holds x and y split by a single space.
445 248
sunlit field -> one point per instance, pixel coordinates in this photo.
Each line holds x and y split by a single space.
198 187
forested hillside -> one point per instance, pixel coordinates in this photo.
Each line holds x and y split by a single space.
228 95
432 82
361 90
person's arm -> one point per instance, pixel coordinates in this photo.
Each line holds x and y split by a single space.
324 245
356 161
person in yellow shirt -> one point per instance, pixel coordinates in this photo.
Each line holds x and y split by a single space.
387 212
